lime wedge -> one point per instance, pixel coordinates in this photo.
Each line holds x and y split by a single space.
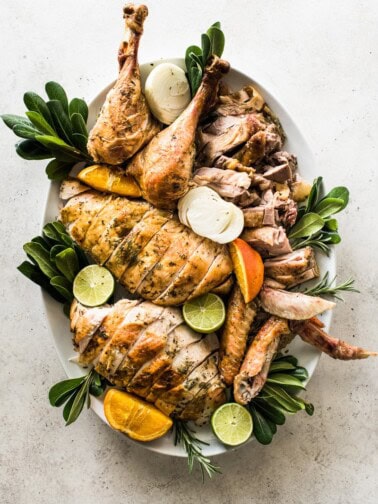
232 424
204 314
93 285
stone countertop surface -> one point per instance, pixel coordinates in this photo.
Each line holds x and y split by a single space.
320 59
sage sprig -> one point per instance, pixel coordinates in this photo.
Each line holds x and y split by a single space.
327 287
74 393
315 224
54 261
185 436
277 397
54 129
196 58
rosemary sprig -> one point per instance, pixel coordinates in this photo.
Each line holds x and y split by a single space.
329 288
192 445
75 393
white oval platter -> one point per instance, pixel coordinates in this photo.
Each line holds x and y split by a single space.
307 355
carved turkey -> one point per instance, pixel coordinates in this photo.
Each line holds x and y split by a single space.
125 123
148 250
164 167
148 350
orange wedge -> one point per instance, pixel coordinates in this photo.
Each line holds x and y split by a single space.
248 267
110 179
134 417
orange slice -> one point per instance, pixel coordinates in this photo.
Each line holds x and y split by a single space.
134 417
248 267
110 179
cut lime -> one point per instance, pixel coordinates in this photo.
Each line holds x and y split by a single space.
204 314
232 424
93 285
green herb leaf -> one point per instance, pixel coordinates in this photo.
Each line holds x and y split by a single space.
55 249
339 193
206 48
61 389
217 40
12 120
32 150
33 273
63 286
261 428
78 106
192 445
42 258
269 411
331 225
25 131
78 402
56 92
300 373
314 194
40 123
80 132
327 287
61 121
329 206
309 225
35 103
278 366
285 400
286 358
67 263
59 148
285 380
67 408
58 170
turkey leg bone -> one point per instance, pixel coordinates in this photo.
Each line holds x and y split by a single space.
163 168
125 123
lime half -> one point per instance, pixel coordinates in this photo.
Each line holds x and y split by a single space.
232 424
205 314
93 285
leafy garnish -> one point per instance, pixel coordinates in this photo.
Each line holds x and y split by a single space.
315 226
54 261
328 287
196 58
192 445
277 397
55 130
75 393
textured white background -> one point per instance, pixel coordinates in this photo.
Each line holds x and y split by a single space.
320 58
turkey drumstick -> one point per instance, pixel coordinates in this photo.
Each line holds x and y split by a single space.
125 123
163 168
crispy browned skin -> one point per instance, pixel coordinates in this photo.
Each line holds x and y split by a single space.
163 168
125 123
311 332
149 351
256 357
148 250
234 337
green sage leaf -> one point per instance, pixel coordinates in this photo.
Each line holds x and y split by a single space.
300 373
40 123
67 263
58 170
329 206
206 48
35 103
59 148
12 120
60 389
270 412
61 121
278 366
309 224
339 193
285 380
33 273
284 399
217 40
32 150
63 286
56 249
78 403
314 194
80 132
261 428
25 131
42 258
78 106
56 92
331 225
67 408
